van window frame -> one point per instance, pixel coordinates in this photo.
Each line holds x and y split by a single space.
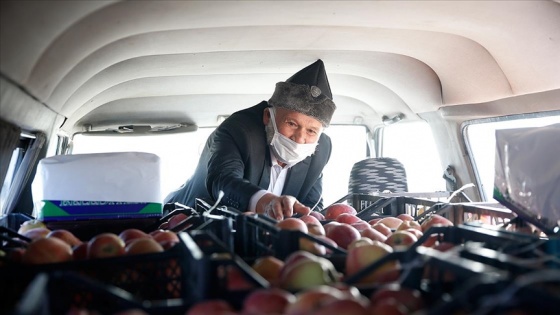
468 146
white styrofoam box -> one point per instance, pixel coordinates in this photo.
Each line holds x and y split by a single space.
120 176
98 179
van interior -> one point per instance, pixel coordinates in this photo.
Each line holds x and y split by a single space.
427 83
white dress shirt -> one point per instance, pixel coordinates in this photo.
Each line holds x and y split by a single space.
276 185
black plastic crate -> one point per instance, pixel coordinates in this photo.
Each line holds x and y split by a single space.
371 206
502 241
228 276
14 220
61 292
179 272
460 213
537 292
257 236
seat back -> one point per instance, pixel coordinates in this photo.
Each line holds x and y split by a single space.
377 175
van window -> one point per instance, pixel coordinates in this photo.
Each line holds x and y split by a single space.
414 146
14 161
179 154
24 156
349 145
481 143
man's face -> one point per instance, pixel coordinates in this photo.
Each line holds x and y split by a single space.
294 125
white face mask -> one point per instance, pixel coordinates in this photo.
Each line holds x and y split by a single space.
286 150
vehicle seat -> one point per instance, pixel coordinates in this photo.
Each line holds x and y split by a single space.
377 175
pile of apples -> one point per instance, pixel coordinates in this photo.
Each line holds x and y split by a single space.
319 300
307 282
61 245
344 227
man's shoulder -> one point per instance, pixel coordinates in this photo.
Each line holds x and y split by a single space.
256 110
248 119
250 115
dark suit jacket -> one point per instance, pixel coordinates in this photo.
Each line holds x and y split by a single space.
236 160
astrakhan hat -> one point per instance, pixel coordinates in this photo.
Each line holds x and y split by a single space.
308 92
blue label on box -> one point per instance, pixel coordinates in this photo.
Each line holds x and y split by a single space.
69 209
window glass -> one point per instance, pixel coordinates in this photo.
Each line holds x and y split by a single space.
16 157
481 141
179 154
349 145
413 144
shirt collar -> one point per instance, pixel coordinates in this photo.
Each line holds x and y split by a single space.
274 160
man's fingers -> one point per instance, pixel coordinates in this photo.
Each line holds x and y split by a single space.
301 208
285 207
288 205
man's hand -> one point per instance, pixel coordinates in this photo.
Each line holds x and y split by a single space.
280 207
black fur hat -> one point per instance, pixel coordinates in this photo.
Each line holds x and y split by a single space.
307 92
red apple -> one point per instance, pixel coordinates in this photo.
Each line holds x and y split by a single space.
410 298
391 222
405 225
433 220
373 234
292 224
361 256
401 239
336 209
343 234
375 220
47 250
344 306
176 220
80 252
406 217
306 273
416 232
66 236
143 246
385 230
211 307
329 225
311 299
36 233
361 225
132 234
269 268
348 218
165 237
236 280
388 307
312 246
328 241
360 242
431 241
267 301
315 229
105 245
15 255
318 215
298 255
309 219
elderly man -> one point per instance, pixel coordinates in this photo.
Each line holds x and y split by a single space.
269 158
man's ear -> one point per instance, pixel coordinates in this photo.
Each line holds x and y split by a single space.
266 116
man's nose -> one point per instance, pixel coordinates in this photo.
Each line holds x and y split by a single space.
299 137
